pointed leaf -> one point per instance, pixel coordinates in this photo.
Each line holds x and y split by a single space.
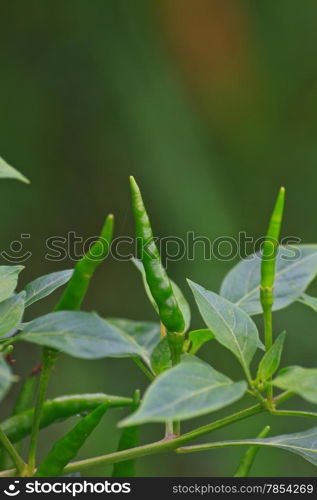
8 280
301 381
45 285
145 334
86 335
232 327
6 377
11 311
182 302
189 389
8 172
199 338
300 443
296 267
271 359
161 357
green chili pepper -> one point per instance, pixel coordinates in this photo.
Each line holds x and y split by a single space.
66 448
156 276
85 268
250 456
269 253
58 409
129 439
270 246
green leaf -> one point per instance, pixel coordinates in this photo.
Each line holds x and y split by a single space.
8 280
271 359
198 338
182 302
296 267
144 334
308 301
161 357
6 377
232 327
129 439
45 285
187 390
300 443
301 381
8 172
11 311
86 335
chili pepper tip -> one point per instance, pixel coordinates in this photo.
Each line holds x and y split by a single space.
133 183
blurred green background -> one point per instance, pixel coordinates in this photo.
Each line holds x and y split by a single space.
211 104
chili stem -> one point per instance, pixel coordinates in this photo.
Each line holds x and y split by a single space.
143 368
293 413
267 301
49 358
17 460
169 429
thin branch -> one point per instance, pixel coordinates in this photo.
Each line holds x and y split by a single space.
49 358
143 368
293 413
160 446
17 460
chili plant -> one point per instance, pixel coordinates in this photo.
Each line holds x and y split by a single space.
181 385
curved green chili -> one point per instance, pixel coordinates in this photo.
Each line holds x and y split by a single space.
85 268
58 409
270 246
268 263
156 276
66 448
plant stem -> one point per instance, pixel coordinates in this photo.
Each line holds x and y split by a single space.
247 372
176 342
293 413
160 446
267 302
220 444
143 368
49 358
17 460
169 429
